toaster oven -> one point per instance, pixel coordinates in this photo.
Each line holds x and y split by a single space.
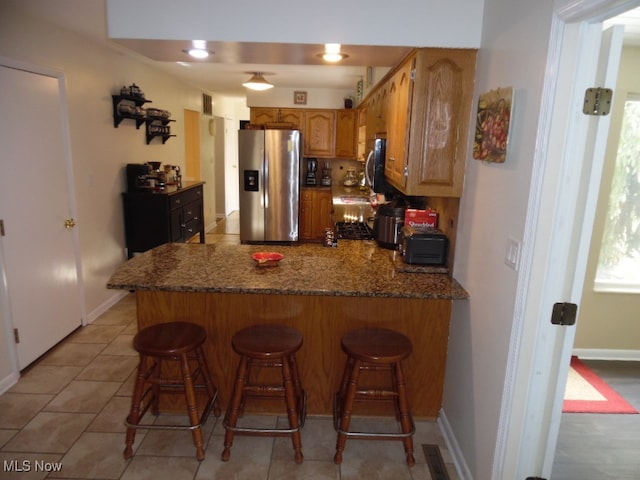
424 246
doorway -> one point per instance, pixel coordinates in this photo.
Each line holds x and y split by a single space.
41 301
192 145
590 445
570 158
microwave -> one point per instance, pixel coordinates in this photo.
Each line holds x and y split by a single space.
374 166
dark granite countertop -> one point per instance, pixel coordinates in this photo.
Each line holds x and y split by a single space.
354 268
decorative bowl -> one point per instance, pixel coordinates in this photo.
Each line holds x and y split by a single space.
267 259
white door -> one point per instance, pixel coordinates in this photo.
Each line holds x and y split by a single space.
597 136
37 249
569 192
232 193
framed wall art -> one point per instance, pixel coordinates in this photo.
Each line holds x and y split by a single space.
300 98
492 125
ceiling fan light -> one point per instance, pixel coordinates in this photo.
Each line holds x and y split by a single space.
257 82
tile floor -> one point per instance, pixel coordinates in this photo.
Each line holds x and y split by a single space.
64 419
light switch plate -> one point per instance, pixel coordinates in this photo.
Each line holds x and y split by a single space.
512 253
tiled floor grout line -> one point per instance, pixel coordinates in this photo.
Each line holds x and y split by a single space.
83 346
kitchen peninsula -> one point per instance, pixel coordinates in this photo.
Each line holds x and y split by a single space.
323 292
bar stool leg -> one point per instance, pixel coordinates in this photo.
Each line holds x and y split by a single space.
192 408
292 407
134 413
156 370
347 407
405 416
234 406
297 384
208 381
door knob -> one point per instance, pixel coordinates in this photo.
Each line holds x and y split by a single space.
69 223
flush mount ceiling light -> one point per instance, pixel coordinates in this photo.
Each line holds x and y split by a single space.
332 53
257 82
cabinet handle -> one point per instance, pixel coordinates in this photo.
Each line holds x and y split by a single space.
178 201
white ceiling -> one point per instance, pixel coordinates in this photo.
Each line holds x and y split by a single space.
285 65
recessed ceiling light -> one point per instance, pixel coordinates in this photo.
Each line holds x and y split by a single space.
198 49
332 53
197 53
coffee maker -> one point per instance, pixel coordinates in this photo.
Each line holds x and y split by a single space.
138 177
312 171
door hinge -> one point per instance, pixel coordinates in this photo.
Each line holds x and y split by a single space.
16 335
1 228
597 101
564 314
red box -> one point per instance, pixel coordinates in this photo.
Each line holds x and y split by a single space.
421 218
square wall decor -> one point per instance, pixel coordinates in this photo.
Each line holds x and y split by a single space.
300 98
492 125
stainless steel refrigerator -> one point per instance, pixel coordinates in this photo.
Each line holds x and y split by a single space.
269 164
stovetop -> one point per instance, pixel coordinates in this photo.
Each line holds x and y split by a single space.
354 231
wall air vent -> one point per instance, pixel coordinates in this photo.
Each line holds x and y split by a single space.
207 104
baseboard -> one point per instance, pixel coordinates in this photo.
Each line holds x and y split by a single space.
118 295
8 382
607 354
462 469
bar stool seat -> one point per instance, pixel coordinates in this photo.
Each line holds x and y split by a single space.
268 346
177 342
374 349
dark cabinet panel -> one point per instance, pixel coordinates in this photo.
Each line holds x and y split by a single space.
152 219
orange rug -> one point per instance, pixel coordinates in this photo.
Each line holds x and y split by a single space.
588 393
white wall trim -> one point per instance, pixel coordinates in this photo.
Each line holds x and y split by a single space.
8 382
118 295
607 354
462 469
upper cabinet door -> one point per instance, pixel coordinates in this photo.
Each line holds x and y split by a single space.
440 122
346 137
398 118
262 116
319 133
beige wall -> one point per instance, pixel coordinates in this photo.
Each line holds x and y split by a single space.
99 151
610 321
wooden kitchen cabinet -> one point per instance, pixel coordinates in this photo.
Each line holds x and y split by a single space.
433 109
376 112
316 206
278 117
152 219
319 133
399 88
326 133
346 134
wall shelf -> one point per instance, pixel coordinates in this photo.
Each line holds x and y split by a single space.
158 127
130 100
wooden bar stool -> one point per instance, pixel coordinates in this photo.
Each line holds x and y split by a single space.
374 349
270 346
179 342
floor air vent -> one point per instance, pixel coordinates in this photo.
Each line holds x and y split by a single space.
435 463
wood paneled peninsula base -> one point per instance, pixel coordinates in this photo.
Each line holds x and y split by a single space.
323 292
